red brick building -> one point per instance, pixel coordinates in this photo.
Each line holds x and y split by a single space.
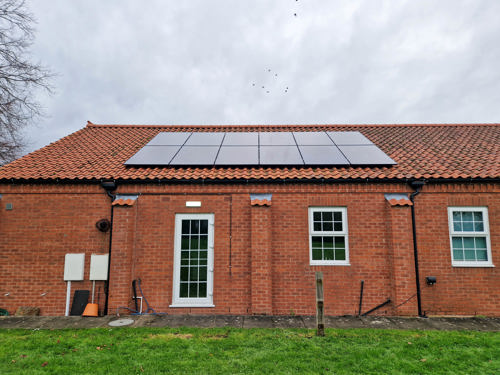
258 233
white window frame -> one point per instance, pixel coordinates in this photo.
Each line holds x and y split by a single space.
343 233
177 301
485 233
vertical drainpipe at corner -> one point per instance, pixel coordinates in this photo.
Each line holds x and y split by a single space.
417 186
109 186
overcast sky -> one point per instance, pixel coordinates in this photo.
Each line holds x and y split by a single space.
206 62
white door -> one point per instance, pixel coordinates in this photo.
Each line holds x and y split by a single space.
193 260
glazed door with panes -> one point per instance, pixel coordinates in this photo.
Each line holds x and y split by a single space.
193 260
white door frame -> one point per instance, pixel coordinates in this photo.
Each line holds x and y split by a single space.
207 301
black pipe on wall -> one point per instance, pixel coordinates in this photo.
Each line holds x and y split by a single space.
109 186
417 186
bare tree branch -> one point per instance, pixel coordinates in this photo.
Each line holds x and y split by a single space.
19 78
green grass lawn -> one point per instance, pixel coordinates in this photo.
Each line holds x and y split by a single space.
252 351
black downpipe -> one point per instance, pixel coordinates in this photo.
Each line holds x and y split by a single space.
417 186
109 186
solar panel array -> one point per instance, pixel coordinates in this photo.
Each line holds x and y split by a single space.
259 148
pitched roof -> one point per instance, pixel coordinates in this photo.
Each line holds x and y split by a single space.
431 151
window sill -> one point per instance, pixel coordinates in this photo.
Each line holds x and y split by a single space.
328 264
190 305
469 265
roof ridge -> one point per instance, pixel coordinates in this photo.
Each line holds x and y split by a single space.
92 125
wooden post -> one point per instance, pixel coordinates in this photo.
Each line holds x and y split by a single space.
320 314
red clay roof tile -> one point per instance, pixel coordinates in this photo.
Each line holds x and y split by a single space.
123 202
440 151
260 202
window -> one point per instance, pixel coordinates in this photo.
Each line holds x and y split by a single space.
469 236
193 260
328 242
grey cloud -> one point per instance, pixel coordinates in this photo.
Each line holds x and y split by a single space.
194 62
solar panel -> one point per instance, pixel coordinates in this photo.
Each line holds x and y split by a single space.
169 139
241 139
276 139
312 139
196 155
238 155
205 139
280 155
260 148
153 155
366 155
349 138
322 155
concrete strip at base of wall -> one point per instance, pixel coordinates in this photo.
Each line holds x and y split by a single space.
255 321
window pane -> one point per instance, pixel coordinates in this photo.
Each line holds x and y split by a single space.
203 242
482 255
457 243
183 292
327 216
478 216
339 242
457 226
457 216
339 254
195 226
467 226
337 216
317 242
328 242
458 255
204 226
316 216
184 273
317 254
480 243
193 255
478 226
466 216
185 226
202 262
328 226
193 290
329 254
185 242
470 255
203 254
317 227
469 243
194 242
338 227
193 274
203 274
184 254
203 290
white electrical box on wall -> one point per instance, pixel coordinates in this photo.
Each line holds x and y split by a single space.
73 267
98 267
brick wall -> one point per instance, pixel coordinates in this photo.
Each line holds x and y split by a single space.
261 254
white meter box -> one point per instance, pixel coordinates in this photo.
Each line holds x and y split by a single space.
98 267
73 267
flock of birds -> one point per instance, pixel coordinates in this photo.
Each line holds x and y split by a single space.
267 89
275 75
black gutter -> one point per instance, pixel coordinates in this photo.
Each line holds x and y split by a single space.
109 186
417 186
